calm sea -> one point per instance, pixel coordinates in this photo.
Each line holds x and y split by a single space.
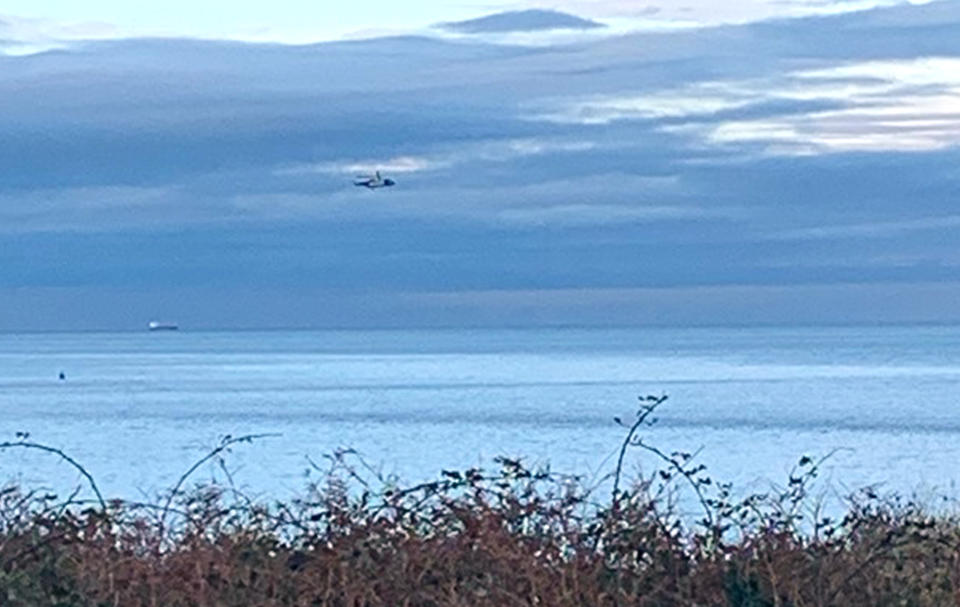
138 408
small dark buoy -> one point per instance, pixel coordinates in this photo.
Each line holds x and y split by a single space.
63 376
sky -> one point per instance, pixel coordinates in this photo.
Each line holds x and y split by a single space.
765 163
304 21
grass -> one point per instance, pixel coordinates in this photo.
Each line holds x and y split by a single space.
510 536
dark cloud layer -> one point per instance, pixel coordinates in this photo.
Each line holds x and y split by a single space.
521 21
726 158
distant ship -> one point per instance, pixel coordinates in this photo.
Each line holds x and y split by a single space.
162 326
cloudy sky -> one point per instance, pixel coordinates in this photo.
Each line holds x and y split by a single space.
693 163
300 21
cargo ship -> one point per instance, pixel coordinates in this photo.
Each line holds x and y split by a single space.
155 325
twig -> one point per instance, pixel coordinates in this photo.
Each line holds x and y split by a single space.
642 416
685 473
64 457
224 445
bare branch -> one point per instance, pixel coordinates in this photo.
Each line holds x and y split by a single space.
23 444
642 415
225 444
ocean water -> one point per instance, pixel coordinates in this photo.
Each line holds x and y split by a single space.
137 409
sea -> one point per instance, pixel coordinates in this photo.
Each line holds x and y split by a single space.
138 409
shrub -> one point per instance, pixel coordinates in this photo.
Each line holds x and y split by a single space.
511 536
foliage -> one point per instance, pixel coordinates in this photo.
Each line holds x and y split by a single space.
511 536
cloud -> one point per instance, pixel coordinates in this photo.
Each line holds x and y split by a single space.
710 12
27 36
869 106
521 21
106 207
812 151
884 229
489 151
699 99
398 164
600 214
208 307
893 105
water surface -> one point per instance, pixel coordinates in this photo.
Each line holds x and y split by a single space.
138 408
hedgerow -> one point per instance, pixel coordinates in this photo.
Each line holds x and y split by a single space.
508 536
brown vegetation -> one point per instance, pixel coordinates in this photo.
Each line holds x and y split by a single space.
470 538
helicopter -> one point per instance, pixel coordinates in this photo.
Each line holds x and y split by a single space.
373 182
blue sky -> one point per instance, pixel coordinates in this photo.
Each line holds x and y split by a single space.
748 170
